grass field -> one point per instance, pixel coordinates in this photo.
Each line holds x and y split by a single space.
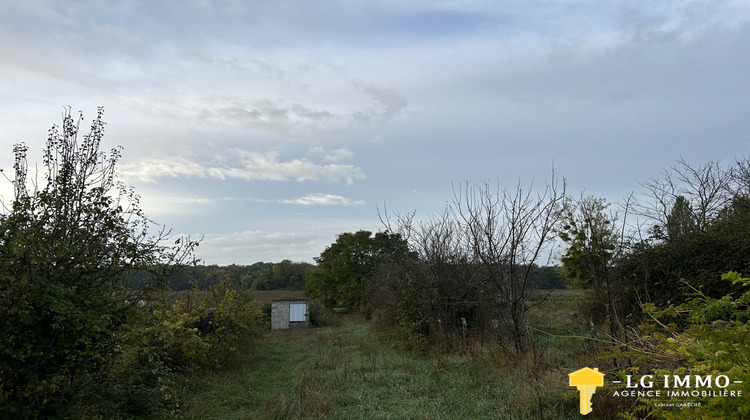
349 372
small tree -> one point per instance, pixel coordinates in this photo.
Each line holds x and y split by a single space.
71 250
436 290
509 234
593 243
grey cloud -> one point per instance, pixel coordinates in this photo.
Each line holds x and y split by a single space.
239 64
285 117
392 101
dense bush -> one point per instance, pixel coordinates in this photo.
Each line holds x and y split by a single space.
166 344
70 246
320 316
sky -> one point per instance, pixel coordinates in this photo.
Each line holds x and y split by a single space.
268 128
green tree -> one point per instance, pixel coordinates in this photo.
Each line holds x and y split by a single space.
589 233
593 242
681 219
345 267
70 250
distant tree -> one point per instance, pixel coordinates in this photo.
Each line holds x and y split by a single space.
70 249
346 266
285 275
252 273
550 278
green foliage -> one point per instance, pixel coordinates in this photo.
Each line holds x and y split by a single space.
701 230
162 346
681 220
196 333
702 336
69 249
405 296
320 316
285 275
591 239
659 271
345 267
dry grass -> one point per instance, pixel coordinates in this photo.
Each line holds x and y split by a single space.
560 312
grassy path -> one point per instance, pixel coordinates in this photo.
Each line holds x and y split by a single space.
345 372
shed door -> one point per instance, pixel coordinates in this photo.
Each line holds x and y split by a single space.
297 312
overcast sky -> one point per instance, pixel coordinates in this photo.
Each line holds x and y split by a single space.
269 127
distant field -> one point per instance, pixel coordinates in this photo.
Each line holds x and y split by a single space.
260 296
267 296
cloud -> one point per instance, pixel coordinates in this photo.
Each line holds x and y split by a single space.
321 199
336 155
298 114
271 115
244 165
256 245
391 102
424 92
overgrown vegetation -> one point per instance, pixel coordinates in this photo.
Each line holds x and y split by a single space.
703 336
467 320
349 371
475 277
81 323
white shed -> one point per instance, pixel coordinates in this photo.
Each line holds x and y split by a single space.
289 313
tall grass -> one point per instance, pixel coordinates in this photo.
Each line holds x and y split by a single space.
346 372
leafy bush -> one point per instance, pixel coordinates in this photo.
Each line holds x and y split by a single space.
703 336
70 247
193 335
163 346
320 316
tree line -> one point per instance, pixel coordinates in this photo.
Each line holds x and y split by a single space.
284 275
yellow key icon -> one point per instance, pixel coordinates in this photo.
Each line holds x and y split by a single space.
586 380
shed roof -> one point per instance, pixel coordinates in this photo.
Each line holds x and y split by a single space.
291 300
